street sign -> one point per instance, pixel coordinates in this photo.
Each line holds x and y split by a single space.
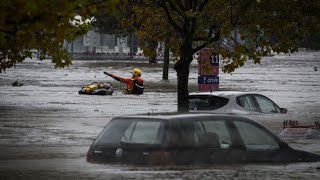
214 60
208 71
211 79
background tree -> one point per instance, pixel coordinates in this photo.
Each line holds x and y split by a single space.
41 25
311 41
108 21
238 30
151 32
125 20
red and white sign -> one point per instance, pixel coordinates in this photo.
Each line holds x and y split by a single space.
208 71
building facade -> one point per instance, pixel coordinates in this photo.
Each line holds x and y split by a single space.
96 43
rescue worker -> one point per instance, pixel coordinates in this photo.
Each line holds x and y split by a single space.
135 84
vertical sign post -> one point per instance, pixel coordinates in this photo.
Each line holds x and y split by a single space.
208 71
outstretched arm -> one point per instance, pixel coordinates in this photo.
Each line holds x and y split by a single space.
124 80
113 76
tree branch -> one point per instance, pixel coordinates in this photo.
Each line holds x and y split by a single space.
202 5
210 41
170 19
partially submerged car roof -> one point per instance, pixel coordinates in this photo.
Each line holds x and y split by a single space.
221 93
177 115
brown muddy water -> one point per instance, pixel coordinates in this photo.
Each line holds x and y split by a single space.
46 127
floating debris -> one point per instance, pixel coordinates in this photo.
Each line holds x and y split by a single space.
291 129
16 83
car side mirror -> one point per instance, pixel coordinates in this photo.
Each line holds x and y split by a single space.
283 110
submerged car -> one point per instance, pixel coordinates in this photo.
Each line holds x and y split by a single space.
233 102
191 138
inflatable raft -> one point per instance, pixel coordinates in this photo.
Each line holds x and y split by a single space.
97 88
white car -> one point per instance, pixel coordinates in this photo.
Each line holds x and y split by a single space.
234 102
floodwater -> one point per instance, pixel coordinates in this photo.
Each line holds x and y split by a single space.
46 127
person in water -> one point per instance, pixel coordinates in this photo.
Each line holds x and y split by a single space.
135 84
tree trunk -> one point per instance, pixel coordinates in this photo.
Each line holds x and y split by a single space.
131 45
101 43
183 77
153 57
182 68
166 60
72 50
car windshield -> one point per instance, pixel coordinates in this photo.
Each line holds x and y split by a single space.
206 102
131 131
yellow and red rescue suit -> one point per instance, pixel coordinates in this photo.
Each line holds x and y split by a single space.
134 84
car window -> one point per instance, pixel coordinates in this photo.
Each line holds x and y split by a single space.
144 132
181 134
128 132
255 138
214 127
247 103
113 132
266 105
206 102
